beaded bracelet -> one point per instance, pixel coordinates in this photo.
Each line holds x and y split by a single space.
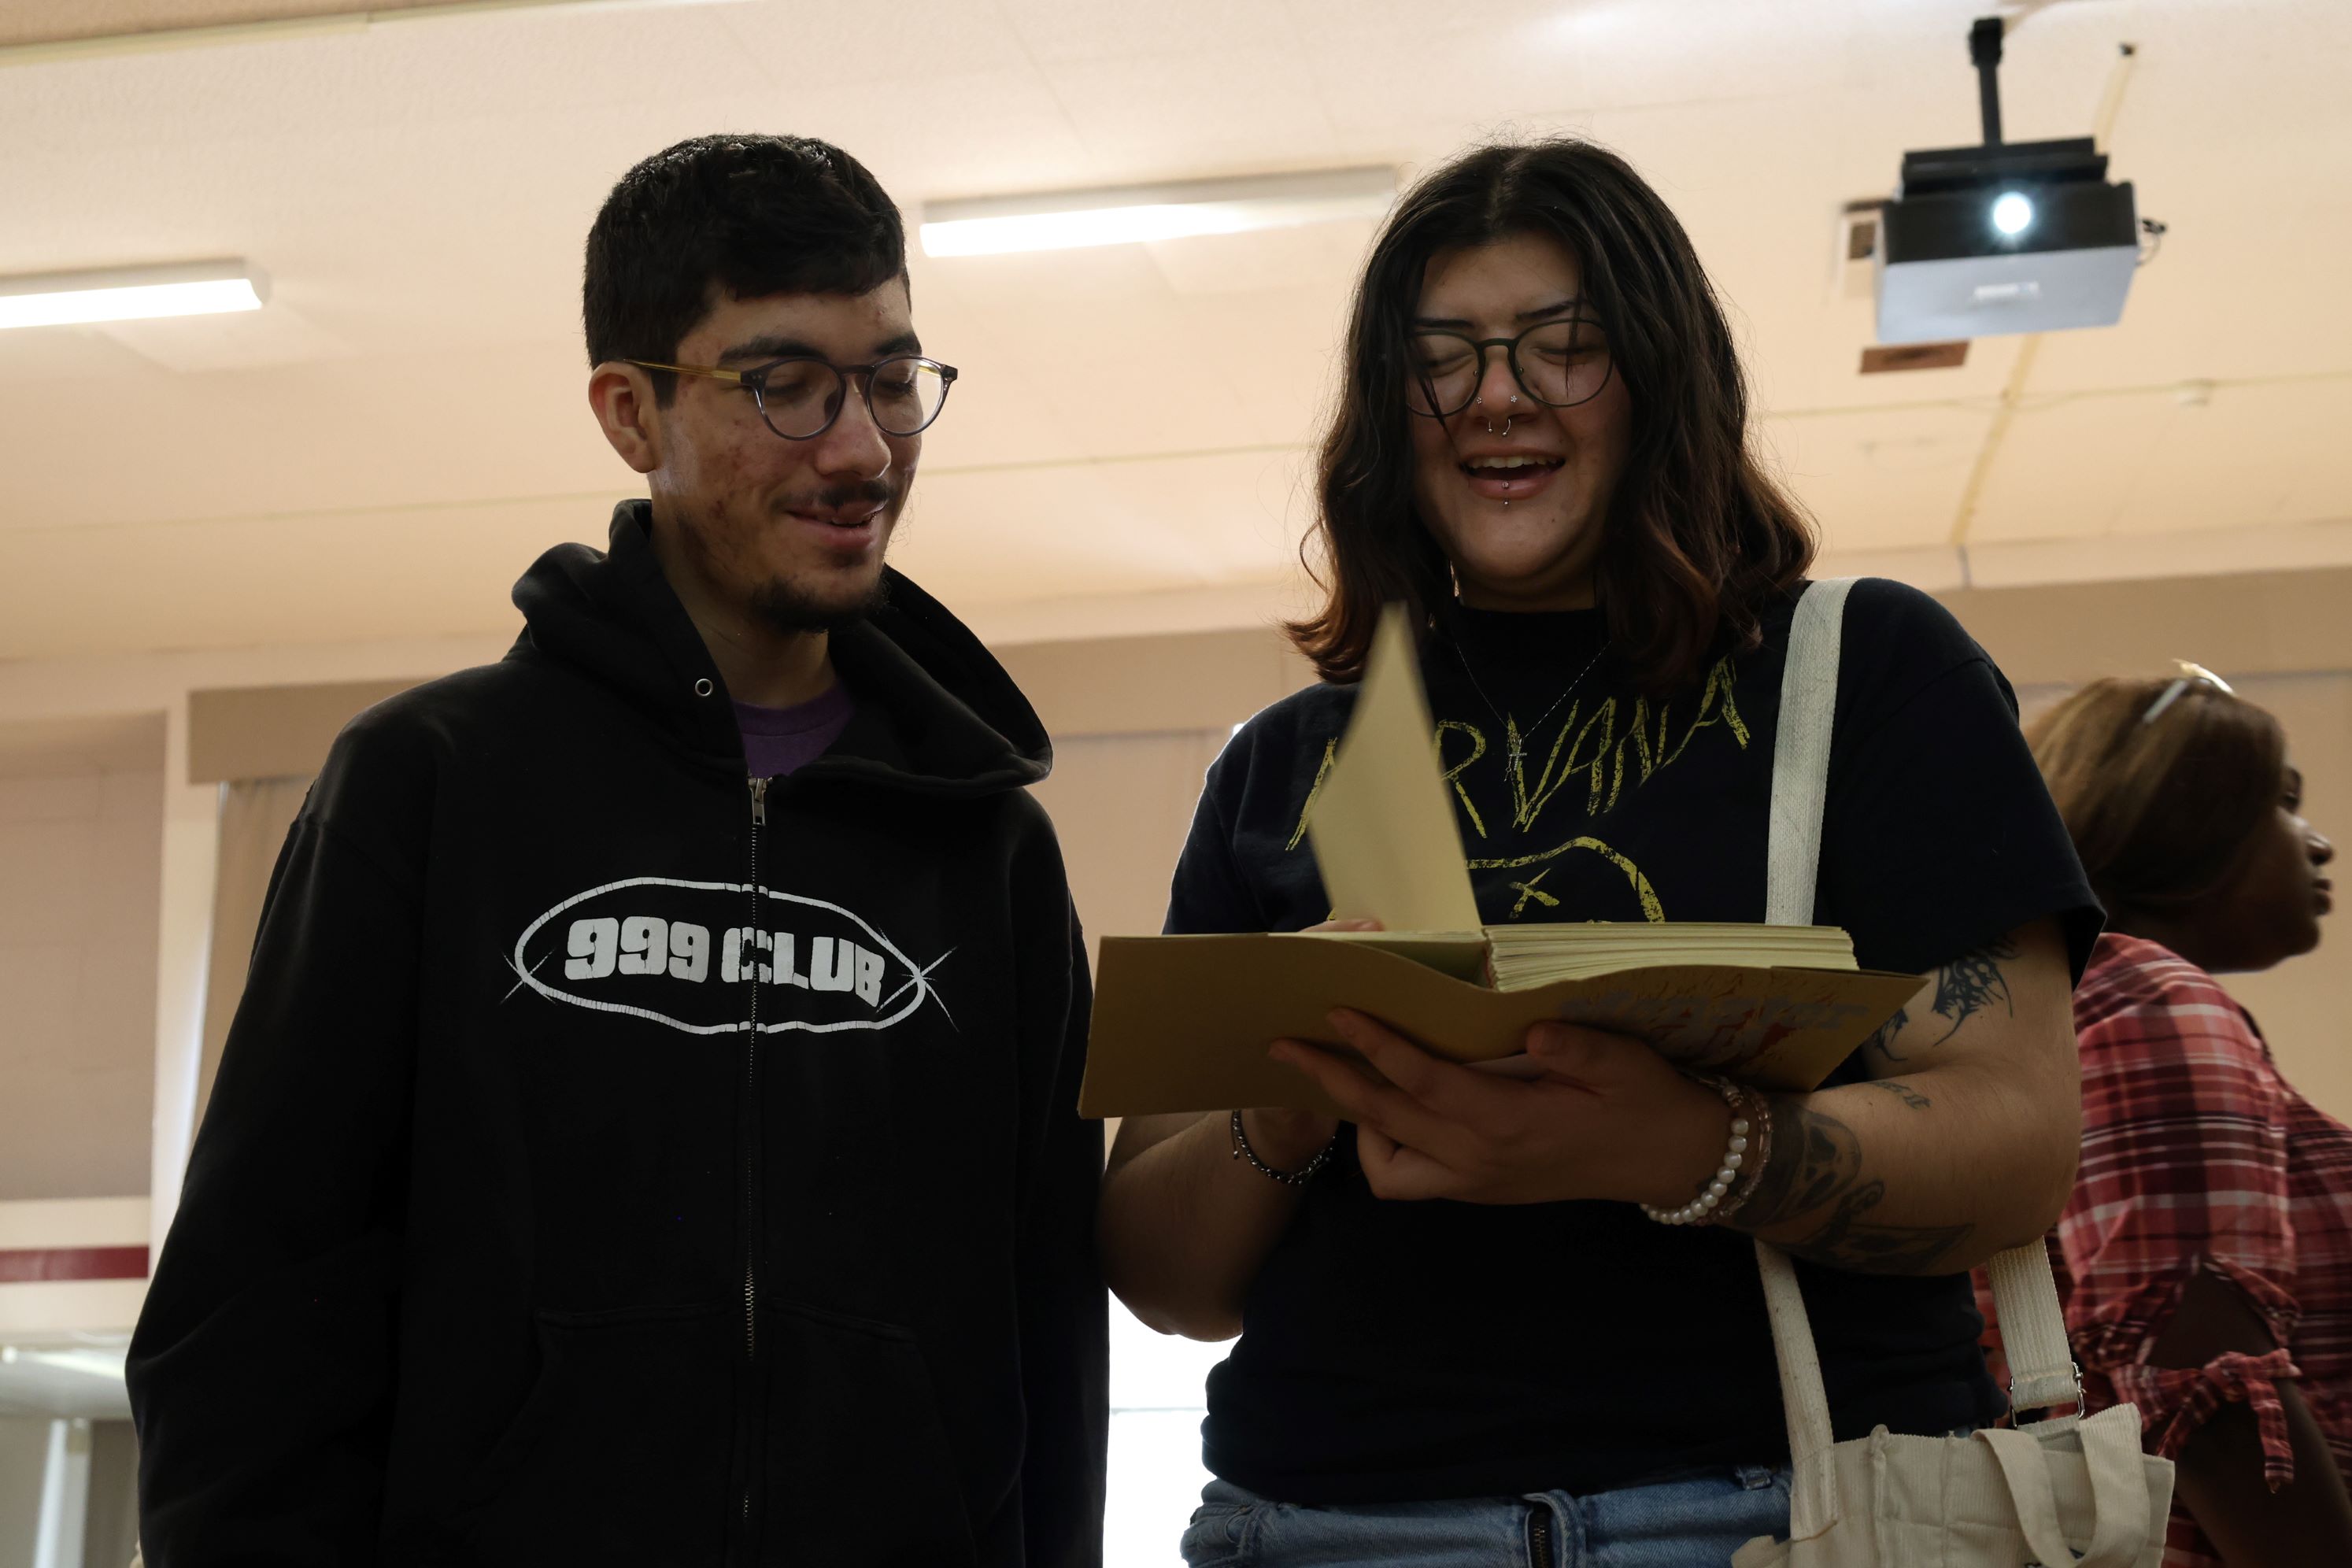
1701 1210
1298 1178
1757 1110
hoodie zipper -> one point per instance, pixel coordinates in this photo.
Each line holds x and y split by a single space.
751 1078
751 1094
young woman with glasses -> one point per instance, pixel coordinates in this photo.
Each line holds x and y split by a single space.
1466 1336
2208 1249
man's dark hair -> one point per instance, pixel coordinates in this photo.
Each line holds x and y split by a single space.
737 215
1698 535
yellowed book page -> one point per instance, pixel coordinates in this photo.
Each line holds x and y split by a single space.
1383 828
1460 954
1183 1023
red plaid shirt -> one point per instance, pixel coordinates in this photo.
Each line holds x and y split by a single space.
2197 1155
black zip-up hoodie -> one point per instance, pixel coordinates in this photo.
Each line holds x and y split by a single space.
616 1162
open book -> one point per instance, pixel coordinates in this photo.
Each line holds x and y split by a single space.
1183 1023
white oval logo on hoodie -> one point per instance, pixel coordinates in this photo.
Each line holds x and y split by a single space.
688 954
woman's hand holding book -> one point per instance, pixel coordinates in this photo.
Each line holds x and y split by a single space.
1609 1118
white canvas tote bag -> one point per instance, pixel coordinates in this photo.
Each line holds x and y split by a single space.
2062 1493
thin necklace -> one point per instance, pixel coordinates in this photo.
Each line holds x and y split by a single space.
1511 733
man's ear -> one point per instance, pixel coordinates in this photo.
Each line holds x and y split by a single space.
623 397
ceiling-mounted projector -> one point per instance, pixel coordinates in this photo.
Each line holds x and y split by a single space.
2022 237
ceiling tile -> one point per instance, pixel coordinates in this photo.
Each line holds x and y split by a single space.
2242 457
2320 477
892 47
1135 526
1222 108
1061 30
1446 75
1108 347
1884 479
2068 468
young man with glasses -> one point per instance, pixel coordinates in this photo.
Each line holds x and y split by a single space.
648 1135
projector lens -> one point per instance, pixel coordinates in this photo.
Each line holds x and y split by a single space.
2013 213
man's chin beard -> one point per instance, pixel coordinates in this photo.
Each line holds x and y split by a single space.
782 608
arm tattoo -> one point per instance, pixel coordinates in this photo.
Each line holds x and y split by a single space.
1812 1183
1909 1096
1881 1039
1843 1242
1973 983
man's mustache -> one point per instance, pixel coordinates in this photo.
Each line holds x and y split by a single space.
876 494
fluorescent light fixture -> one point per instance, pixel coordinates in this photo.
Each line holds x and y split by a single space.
132 294
1067 220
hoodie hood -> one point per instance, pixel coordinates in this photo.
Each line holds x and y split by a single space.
937 715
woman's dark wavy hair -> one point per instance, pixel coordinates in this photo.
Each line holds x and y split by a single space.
1697 538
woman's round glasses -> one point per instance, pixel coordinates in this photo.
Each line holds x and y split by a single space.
800 398
1559 363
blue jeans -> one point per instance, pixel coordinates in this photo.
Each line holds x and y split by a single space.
1694 1523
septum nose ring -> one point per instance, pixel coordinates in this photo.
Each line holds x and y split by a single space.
1505 430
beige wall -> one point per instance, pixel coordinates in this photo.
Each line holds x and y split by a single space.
24 1462
79 876
1121 806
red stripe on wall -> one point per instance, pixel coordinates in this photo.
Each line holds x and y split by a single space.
43 1263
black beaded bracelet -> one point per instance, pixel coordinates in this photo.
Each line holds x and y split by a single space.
1298 1178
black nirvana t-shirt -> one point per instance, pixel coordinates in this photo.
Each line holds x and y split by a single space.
1397 1351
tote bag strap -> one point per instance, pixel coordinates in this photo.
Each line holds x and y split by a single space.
1800 772
2026 1295
2033 1329
1801 752
1813 1488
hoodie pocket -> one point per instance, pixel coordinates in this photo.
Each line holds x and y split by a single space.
858 1466
620 1455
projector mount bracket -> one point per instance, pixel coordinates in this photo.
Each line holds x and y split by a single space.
1984 49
